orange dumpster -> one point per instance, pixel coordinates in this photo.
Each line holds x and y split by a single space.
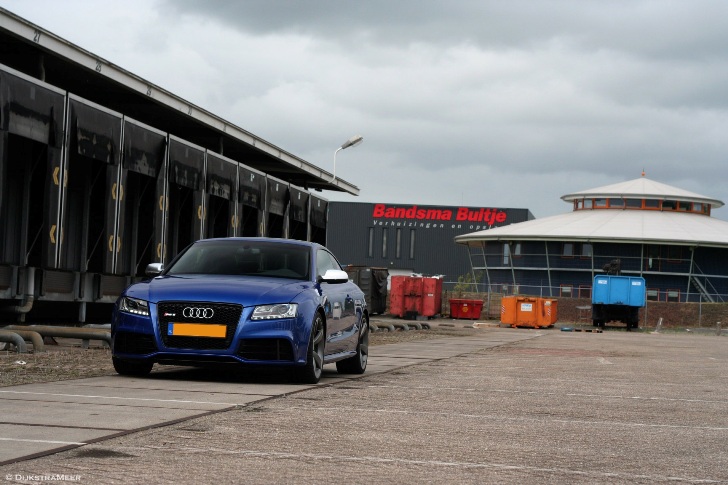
523 311
548 312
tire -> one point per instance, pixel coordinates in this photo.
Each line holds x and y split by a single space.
310 373
134 368
357 364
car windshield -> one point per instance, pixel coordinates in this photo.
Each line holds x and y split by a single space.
249 258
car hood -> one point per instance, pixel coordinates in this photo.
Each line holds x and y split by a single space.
244 290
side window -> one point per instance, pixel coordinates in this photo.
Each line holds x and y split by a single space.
324 262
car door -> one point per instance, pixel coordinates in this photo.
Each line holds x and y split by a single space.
337 306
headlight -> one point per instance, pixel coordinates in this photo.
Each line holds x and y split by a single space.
269 312
134 305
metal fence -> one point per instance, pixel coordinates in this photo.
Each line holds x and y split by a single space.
584 291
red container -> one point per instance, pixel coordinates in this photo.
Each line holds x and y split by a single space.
468 309
412 296
431 297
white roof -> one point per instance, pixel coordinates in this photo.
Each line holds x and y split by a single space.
613 225
642 188
619 225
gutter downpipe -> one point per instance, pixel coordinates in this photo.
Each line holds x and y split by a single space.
29 299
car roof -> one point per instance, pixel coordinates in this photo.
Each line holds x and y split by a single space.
276 240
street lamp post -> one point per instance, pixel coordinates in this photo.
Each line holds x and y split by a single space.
351 142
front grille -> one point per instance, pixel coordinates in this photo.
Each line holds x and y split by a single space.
134 343
266 349
173 312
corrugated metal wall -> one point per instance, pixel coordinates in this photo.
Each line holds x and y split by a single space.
354 226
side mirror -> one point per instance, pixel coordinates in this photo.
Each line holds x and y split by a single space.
334 276
154 269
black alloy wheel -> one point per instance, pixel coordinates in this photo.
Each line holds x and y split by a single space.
357 364
311 372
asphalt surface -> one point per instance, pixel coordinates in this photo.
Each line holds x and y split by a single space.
501 406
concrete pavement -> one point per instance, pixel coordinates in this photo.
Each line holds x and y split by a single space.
38 419
505 406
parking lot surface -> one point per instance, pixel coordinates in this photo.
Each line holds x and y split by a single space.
500 406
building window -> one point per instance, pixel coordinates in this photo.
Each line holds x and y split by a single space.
412 244
517 251
588 203
697 207
673 295
669 205
674 254
370 244
616 203
506 254
585 291
634 203
653 294
601 203
384 242
586 250
567 291
568 250
652 204
398 243
652 262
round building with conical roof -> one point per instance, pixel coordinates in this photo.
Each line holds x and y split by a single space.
639 227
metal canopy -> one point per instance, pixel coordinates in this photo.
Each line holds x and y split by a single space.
34 51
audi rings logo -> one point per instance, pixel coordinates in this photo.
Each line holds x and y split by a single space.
197 312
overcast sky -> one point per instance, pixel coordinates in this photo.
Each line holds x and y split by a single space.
480 103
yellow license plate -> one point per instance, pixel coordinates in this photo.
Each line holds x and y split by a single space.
196 330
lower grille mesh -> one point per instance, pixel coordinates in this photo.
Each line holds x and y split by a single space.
266 349
134 343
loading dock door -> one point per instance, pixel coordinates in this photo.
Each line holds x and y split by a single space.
277 200
31 127
221 194
142 200
319 212
89 206
298 220
251 206
186 210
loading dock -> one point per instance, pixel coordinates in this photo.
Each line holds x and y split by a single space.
276 206
102 173
220 196
251 208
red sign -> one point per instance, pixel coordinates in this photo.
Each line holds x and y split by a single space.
464 214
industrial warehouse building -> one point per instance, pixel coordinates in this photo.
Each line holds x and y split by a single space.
640 227
409 238
102 173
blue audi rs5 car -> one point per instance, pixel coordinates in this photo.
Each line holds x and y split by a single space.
261 301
